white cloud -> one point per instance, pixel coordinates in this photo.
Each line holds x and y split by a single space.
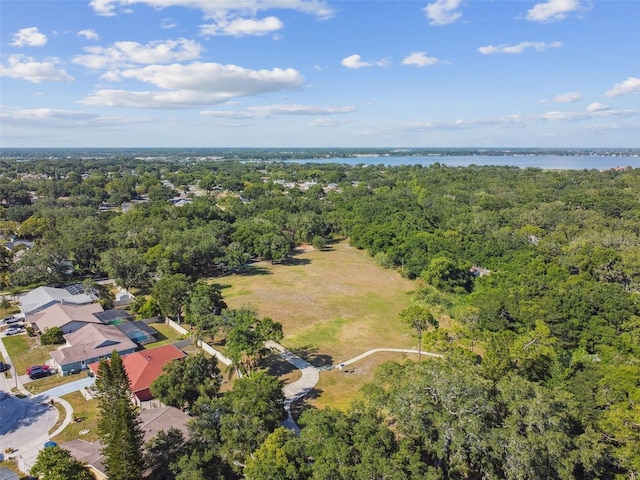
168 23
327 122
519 48
46 115
196 84
27 68
443 12
29 37
597 107
568 97
243 26
630 85
58 118
594 111
89 34
420 59
266 111
133 53
553 10
220 9
355 61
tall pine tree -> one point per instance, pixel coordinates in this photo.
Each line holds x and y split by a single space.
119 423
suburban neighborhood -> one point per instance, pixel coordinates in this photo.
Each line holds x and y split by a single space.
90 334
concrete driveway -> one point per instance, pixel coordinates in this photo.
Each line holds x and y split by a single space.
25 425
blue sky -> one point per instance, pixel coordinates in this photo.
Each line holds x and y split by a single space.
312 73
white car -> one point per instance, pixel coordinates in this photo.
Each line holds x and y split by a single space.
12 330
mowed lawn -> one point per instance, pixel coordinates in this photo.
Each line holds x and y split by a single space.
333 305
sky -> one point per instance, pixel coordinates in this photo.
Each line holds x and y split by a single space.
315 73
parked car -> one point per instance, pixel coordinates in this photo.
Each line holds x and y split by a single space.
13 330
10 320
4 367
38 372
42 367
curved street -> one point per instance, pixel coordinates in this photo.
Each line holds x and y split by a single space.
26 422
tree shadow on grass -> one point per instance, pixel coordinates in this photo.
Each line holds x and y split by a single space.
294 261
252 271
302 405
277 366
311 355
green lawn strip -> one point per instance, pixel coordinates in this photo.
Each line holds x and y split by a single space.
26 351
42 384
165 336
62 414
86 411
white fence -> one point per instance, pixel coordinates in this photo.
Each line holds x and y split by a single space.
205 346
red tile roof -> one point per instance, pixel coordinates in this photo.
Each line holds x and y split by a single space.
144 366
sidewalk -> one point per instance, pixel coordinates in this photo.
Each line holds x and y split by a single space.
15 380
300 387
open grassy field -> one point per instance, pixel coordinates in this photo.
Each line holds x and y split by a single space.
333 305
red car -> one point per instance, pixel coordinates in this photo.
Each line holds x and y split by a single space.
36 367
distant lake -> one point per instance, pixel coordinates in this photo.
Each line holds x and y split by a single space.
547 162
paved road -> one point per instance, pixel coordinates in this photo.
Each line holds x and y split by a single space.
26 422
25 426
300 387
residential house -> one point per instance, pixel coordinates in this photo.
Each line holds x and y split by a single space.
89 344
42 297
14 243
143 367
152 422
69 318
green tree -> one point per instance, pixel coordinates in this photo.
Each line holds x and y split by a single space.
247 338
186 380
162 450
319 242
171 293
248 414
52 336
419 318
275 459
34 227
119 423
444 274
125 266
57 463
204 308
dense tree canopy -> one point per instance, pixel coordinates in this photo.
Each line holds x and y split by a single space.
536 271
